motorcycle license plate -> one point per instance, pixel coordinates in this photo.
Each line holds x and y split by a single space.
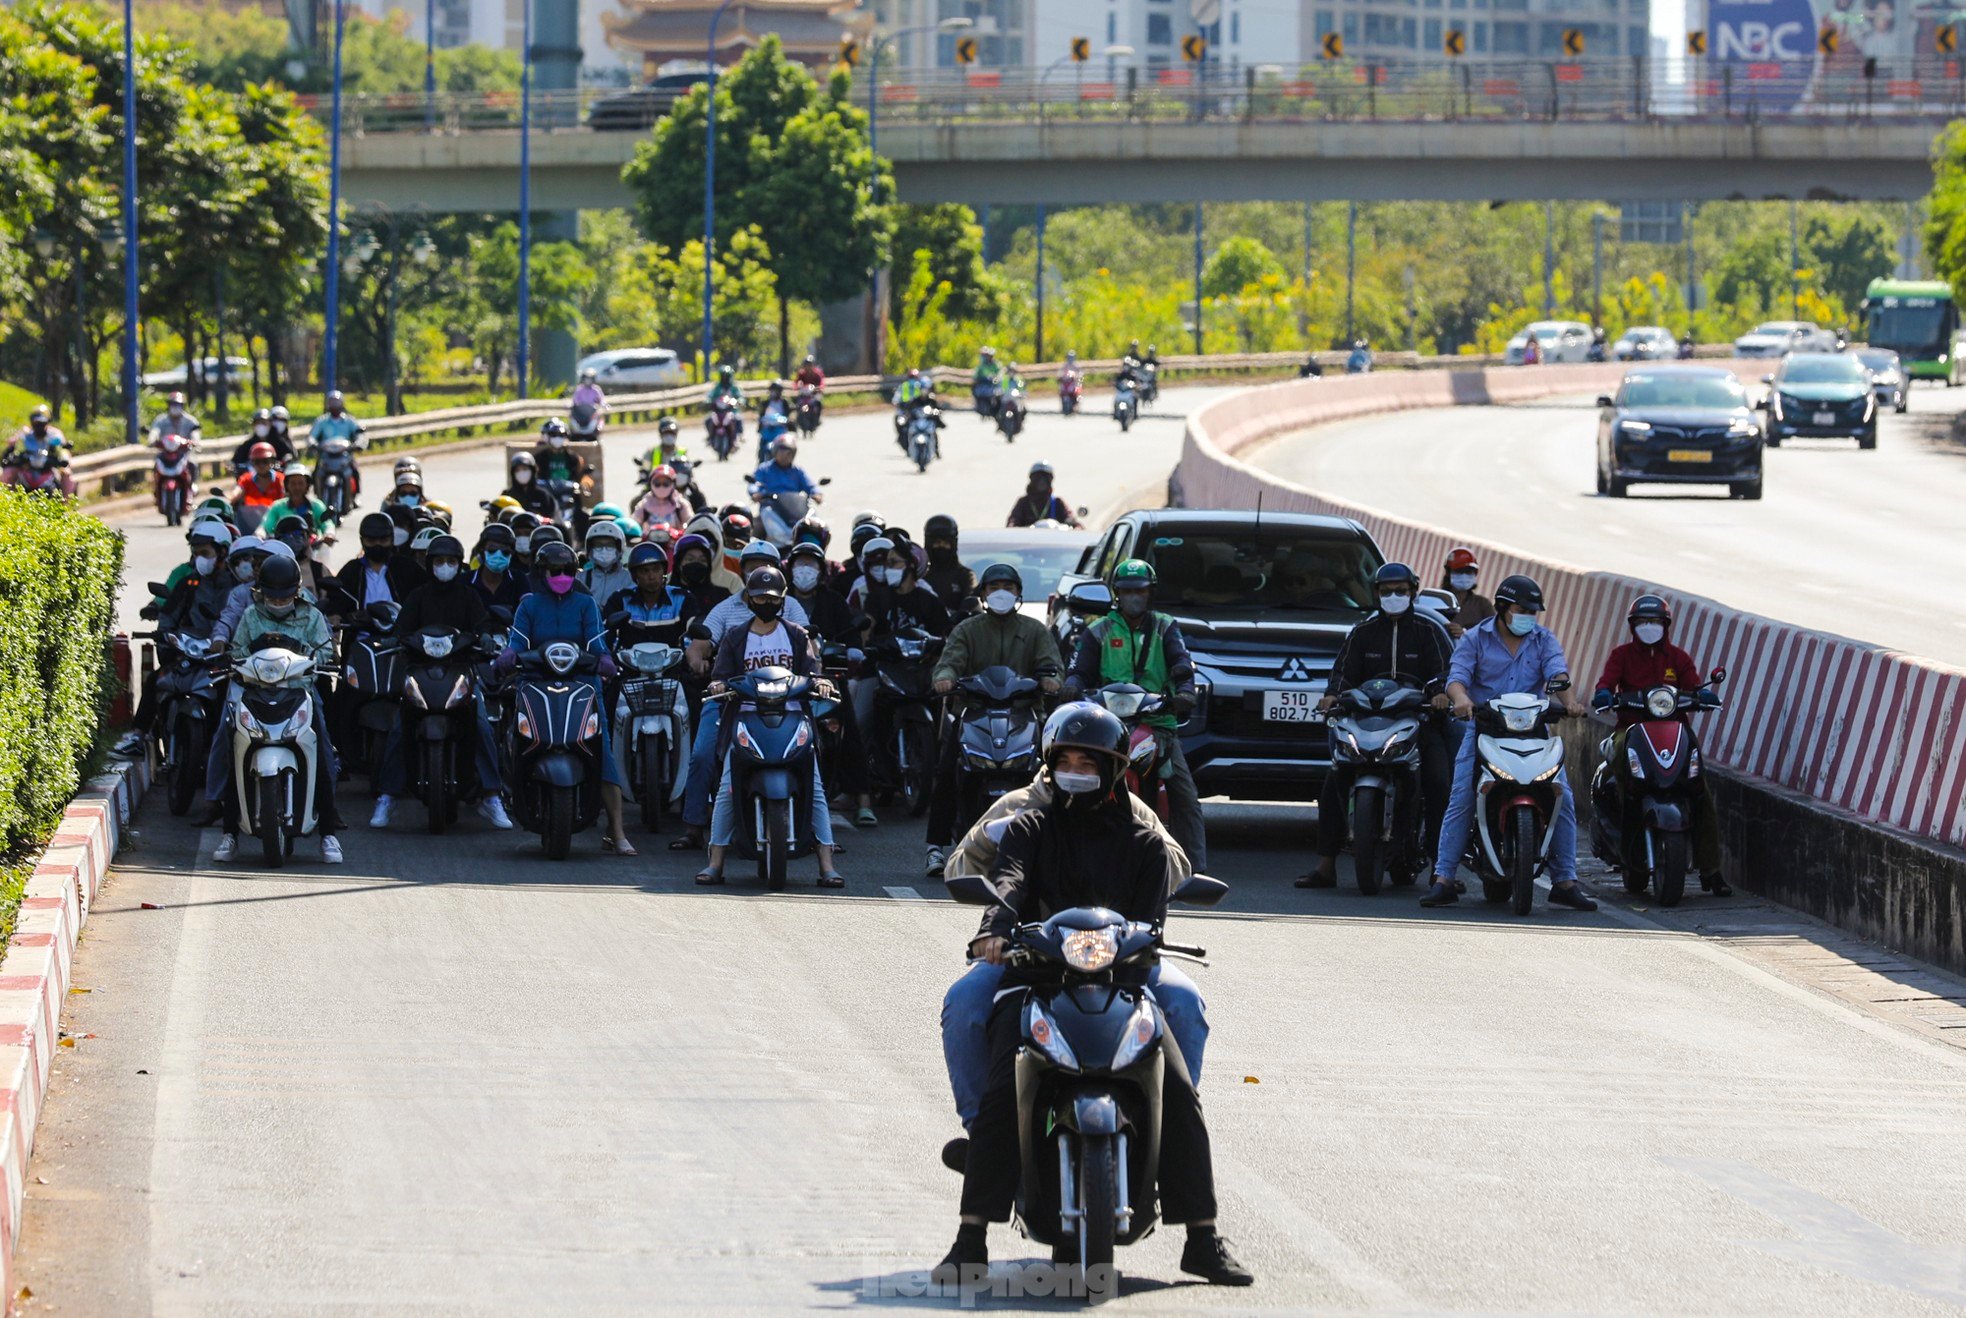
1289 706
1825 418
1688 455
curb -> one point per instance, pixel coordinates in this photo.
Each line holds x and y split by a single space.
35 977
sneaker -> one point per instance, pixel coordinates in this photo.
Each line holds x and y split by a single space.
493 810
330 849
129 745
937 859
1571 894
383 805
1207 1256
969 1255
1441 894
1320 877
227 845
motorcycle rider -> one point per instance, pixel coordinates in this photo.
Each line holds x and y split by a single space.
297 482
524 488
1038 503
380 575
588 394
605 574
1001 634
711 527
207 535
649 597
176 419
279 608
1359 362
810 374
446 600
832 622
1459 575
408 489
727 387
280 429
774 418
335 423
1507 653
989 374
782 474
690 559
262 431
946 574
291 530
1133 643
662 505
1650 659
1392 642
497 584
194 600
557 462
39 435
1083 849
261 486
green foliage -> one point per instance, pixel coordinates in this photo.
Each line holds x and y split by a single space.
950 235
654 294
1241 262
239 47
58 578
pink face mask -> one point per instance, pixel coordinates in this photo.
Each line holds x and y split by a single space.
558 584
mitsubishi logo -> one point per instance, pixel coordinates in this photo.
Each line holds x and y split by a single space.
1295 670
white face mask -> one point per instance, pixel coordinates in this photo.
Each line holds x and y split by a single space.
605 557
1395 603
522 476
204 563
1461 580
1000 601
242 571
892 575
444 571
260 428
1649 633
1075 784
805 576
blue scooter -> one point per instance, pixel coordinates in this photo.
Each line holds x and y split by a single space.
773 736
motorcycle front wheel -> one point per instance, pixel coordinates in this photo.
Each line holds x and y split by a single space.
1523 830
272 837
915 768
1099 1214
1668 867
439 794
775 847
557 831
1368 838
654 754
184 770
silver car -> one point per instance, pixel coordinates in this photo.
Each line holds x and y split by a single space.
1556 341
1645 343
1776 338
1887 377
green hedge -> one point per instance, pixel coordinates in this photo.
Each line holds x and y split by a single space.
59 570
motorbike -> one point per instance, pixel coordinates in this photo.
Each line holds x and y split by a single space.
651 713
806 409
922 437
372 677
1375 736
175 476
440 681
1011 412
276 749
1071 385
189 700
778 514
902 666
1089 1075
584 422
1359 362
1663 757
334 476
39 472
775 420
1126 404
985 393
772 741
553 746
1149 382
1518 755
997 731
1146 767
725 426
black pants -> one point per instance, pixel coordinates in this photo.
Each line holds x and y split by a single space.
846 768
942 794
1436 773
1187 1168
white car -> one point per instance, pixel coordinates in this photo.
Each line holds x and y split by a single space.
1887 377
1645 343
1556 341
1777 337
179 377
635 368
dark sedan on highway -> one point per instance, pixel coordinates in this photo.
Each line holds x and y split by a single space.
1679 425
1825 395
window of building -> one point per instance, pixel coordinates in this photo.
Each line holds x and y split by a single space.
1324 24
1160 30
1481 38
1112 28
1511 38
1431 33
1408 32
1351 26
1235 29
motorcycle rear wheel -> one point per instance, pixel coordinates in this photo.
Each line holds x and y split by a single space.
776 845
439 793
1669 872
1368 842
915 768
272 837
1523 828
557 832
184 775
1099 1201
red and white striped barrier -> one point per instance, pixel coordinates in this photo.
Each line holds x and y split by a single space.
1876 732
35 977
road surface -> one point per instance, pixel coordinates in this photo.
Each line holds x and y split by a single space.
1858 544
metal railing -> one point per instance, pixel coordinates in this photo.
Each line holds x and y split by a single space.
1396 89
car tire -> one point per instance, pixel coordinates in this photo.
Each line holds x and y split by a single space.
1750 489
1616 488
1603 486
1772 441
1868 440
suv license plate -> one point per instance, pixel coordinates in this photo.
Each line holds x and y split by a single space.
1289 706
1825 418
1688 455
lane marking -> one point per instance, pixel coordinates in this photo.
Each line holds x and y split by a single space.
901 894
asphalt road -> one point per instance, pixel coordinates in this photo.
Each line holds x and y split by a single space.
1858 544
452 1077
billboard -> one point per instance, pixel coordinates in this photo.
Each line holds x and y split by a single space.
1794 54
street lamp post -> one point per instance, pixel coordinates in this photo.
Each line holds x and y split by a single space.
332 273
880 42
130 222
429 66
710 177
523 355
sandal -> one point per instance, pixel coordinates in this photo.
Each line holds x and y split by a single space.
690 841
709 878
621 848
832 879
867 818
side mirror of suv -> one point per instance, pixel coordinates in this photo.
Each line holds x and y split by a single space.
1604 400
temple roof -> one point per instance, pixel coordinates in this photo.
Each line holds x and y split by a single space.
683 25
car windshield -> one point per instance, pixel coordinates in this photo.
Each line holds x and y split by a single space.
1682 391
1282 568
1875 360
1777 327
1823 370
1038 566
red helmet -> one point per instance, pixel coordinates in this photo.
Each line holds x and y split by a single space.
1462 559
176 398
664 472
260 451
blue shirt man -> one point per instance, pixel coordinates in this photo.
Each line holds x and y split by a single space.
1506 654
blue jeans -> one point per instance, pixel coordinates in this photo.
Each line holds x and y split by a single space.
702 765
723 821
966 1027
1454 828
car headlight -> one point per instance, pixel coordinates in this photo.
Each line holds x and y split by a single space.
1741 429
1091 949
1141 1031
1636 427
1661 702
1040 1029
1870 404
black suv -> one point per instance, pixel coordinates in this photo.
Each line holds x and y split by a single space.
1264 601
1827 394
1679 425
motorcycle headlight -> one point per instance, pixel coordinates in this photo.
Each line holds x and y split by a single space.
437 647
1043 1034
1091 949
413 692
1548 773
1632 763
592 727
1399 735
250 725
560 657
1519 720
1693 765
1141 1031
1661 702
459 690
1144 752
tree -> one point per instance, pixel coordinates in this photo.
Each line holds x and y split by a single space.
950 235
1844 257
1239 263
1755 270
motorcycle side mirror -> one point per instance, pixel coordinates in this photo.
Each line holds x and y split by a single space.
1604 400
697 632
1090 599
1084 511
1719 676
1200 890
619 618
155 588
825 480
974 890
1557 684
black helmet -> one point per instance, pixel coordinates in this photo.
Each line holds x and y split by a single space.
861 535
940 526
278 576
666 426
445 546
726 371
1085 726
547 534
999 572
553 429
498 534
1520 591
812 531
1396 574
553 555
806 549
764 581
376 526
1650 608
524 523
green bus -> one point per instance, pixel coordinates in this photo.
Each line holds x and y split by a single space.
1918 320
